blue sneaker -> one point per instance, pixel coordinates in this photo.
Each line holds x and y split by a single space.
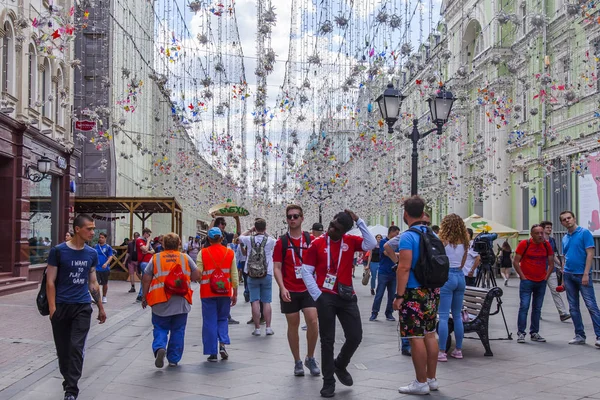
390 318
373 316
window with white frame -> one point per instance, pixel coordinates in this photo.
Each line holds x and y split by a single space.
46 89
58 85
523 19
8 58
32 73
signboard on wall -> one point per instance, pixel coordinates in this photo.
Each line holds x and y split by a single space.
589 196
85 126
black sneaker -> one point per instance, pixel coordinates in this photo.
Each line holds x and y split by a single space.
246 297
69 396
565 317
232 321
328 390
132 290
406 353
343 375
212 358
138 299
223 352
159 359
372 292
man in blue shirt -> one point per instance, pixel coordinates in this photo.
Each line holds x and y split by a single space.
417 305
105 256
70 279
386 278
578 248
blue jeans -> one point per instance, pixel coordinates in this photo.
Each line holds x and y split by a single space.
451 299
215 328
385 282
528 288
374 268
143 266
573 287
173 328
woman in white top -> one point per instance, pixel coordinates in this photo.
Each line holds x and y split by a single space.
453 234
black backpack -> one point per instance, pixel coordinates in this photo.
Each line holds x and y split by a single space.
285 243
433 265
42 298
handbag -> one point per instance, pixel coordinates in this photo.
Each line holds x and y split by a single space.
366 277
464 315
345 291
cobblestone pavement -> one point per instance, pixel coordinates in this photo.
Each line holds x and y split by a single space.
119 362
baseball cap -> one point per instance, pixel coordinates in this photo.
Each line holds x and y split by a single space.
317 227
214 233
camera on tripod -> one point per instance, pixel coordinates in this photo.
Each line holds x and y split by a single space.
484 245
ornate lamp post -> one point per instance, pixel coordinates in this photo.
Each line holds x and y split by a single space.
439 107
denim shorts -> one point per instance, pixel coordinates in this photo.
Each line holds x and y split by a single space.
261 289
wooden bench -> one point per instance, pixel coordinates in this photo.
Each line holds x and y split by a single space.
478 303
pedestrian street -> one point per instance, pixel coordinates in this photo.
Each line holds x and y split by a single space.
119 364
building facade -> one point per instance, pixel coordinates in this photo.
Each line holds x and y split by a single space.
36 94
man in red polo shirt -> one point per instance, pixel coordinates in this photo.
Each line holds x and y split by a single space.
330 258
292 290
534 262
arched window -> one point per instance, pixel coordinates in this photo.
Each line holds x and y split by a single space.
58 86
46 89
32 72
8 58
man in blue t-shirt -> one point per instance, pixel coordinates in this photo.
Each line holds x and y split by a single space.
386 278
578 248
105 256
70 279
418 306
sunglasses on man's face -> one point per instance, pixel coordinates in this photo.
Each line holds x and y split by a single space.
293 216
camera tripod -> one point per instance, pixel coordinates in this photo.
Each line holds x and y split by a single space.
486 279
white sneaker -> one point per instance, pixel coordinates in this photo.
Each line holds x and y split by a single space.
415 387
256 332
433 384
104 301
597 344
578 339
269 331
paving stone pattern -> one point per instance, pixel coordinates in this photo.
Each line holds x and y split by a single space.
119 363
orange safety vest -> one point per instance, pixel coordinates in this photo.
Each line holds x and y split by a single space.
220 254
163 263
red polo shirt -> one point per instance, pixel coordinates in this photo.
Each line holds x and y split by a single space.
316 256
292 260
139 242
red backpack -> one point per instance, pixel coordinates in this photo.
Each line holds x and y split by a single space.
219 283
176 282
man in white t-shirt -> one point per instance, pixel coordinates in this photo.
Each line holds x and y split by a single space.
260 288
472 262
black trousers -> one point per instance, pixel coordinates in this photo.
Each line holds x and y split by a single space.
330 306
70 326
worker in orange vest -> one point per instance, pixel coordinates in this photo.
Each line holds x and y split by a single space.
218 291
166 287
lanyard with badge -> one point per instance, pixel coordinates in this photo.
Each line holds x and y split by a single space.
297 268
331 278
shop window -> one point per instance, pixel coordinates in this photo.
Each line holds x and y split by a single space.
43 218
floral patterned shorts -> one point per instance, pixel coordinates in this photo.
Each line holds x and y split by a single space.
418 312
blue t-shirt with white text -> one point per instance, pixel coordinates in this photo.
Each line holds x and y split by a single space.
73 273
104 252
411 241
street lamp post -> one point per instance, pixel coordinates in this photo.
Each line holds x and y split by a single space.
439 107
318 195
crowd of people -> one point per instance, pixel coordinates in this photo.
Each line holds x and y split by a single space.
314 274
